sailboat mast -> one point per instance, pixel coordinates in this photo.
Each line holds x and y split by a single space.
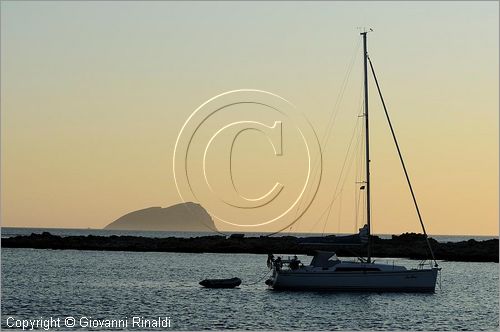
367 145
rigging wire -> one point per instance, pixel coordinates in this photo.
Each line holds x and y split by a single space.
359 183
324 141
331 121
402 163
343 175
340 214
335 194
327 135
359 174
360 162
259 280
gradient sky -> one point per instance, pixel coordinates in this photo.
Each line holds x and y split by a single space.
94 95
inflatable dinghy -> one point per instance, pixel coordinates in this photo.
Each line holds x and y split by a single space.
221 283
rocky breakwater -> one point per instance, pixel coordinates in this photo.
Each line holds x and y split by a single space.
408 245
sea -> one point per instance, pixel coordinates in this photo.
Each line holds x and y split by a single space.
85 290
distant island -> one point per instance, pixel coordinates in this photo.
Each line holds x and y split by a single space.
184 217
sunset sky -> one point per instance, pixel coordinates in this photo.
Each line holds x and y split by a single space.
94 94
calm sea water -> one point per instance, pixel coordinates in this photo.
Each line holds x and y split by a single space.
116 285
14 231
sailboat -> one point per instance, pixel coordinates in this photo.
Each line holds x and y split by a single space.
327 272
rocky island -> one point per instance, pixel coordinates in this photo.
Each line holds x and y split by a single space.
183 217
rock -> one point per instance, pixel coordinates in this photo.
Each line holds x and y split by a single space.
184 217
413 247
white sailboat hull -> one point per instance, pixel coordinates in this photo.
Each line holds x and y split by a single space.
422 280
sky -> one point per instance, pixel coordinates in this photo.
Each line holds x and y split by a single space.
95 94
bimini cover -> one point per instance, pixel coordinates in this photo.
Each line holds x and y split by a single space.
322 259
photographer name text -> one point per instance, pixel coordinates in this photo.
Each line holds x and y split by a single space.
48 323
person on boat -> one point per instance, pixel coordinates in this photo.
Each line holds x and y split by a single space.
294 263
278 264
270 260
